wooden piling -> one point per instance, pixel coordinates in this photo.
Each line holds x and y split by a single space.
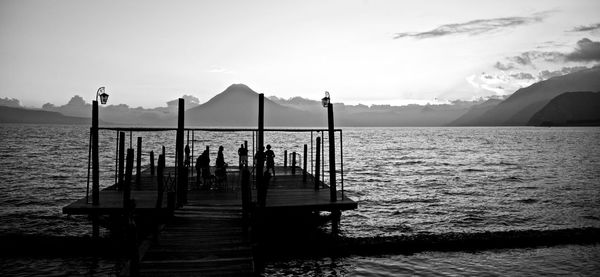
138 167
121 160
128 177
318 164
151 163
285 158
304 171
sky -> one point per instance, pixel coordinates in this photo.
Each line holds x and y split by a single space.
372 52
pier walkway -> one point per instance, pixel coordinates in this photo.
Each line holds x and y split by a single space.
206 235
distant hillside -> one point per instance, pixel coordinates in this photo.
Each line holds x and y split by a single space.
570 109
525 102
238 106
21 115
475 112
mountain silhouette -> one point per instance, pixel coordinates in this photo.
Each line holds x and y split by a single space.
21 115
524 103
238 106
570 109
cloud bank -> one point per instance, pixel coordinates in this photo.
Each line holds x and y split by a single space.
474 27
586 28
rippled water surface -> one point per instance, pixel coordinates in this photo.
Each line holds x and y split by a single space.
406 180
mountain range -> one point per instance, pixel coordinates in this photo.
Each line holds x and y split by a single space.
518 109
237 106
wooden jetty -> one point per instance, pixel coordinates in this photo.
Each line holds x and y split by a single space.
173 225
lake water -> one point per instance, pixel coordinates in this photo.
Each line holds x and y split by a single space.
408 181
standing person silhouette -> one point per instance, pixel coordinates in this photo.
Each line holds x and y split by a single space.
206 167
243 153
270 156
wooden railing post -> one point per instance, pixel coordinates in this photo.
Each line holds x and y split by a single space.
294 163
128 175
318 164
138 167
304 171
160 181
122 150
151 163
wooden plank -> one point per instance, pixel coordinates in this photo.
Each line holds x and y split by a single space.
200 240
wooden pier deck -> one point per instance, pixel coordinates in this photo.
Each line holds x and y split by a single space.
205 236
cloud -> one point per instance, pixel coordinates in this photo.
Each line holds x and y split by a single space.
504 67
585 51
522 76
527 58
585 28
474 27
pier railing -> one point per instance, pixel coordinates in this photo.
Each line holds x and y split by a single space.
317 150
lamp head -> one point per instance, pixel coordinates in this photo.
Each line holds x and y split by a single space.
102 94
326 100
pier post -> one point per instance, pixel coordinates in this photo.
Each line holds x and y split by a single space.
260 185
128 175
95 169
151 163
330 123
121 160
179 154
138 165
95 158
304 171
284 158
318 164
294 163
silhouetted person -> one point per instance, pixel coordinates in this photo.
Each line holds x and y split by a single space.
220 159
243 153
270 157
221 167
187 156
206 167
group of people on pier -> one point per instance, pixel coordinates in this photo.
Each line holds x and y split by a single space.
203 171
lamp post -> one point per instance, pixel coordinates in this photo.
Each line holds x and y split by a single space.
95 161
326 101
